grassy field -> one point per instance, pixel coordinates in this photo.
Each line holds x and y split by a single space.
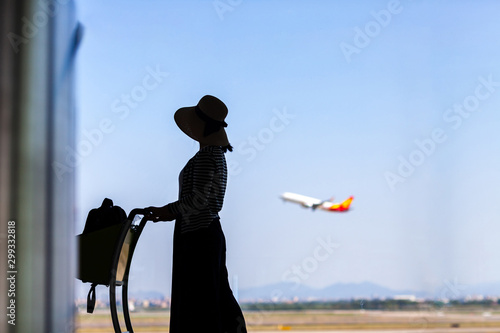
316 321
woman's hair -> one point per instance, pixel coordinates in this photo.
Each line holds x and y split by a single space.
226 148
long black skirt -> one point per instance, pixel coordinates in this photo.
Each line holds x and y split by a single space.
202 300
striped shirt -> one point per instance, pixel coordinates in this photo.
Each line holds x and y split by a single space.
202 185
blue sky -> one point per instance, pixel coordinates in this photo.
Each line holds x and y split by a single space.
305 116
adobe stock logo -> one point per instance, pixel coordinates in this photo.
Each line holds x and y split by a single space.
31 26
455 116
253 144
452 289
310 264
372 29
223 6
121 107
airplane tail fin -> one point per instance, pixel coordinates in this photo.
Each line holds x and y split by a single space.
346 203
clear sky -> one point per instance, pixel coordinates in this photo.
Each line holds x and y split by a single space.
394 102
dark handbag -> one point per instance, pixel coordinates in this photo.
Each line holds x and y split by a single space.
97 245
104 216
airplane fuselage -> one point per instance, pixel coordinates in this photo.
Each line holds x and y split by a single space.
313 203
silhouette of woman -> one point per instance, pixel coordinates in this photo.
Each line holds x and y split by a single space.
202 300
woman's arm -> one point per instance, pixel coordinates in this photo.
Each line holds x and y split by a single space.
157 214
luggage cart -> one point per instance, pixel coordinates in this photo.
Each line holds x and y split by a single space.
105 258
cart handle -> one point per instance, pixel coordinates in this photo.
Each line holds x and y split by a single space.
138 211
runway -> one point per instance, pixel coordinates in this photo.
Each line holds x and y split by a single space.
321 321
439 330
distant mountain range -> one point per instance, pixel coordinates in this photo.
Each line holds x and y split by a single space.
289 291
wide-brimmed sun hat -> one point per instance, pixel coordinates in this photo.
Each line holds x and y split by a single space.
205 121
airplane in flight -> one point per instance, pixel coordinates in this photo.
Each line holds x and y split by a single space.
308 202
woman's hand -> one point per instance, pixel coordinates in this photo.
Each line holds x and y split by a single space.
157 214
